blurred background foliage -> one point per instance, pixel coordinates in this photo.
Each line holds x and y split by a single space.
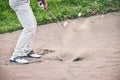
58 10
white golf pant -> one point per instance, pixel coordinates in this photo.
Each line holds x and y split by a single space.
28 21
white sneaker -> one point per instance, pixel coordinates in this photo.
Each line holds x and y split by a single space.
18 59
33 55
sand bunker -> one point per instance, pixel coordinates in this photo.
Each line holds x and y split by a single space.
83 49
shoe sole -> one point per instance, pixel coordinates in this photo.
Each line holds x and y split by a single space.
17 62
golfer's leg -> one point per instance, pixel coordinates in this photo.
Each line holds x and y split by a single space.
27 19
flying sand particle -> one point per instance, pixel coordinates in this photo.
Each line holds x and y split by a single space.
65 23
79 14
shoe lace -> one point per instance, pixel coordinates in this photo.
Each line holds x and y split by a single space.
18 57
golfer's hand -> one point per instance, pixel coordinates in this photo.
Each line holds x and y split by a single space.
45 6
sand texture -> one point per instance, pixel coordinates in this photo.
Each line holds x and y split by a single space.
83 49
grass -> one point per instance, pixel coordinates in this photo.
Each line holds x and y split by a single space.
60 10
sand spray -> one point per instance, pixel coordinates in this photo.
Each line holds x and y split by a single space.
68 51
